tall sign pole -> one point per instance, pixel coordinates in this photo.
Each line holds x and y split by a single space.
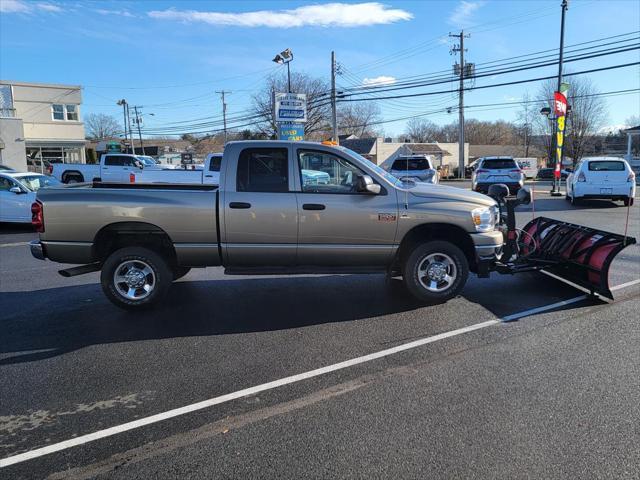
334 113
560 122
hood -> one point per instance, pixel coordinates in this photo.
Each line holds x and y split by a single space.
449 193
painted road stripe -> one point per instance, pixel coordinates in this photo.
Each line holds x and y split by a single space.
108 432
17 244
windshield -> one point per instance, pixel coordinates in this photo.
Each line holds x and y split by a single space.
148 161
36 182
606 166
379 171
499 164
411 164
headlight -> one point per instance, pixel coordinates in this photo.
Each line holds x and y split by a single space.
484 218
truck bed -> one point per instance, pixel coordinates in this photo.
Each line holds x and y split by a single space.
75 216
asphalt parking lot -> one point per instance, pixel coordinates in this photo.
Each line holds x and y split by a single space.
456 392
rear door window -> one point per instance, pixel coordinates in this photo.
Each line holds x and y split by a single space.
214 163
411 164
499 164
263 170
116 160
606 166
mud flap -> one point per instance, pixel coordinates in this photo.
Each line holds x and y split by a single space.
581 255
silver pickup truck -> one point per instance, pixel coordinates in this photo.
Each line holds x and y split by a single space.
267 217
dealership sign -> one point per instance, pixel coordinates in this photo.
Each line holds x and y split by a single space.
559 104
293 132
290 107
560 109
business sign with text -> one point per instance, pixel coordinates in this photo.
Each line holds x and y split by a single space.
290 107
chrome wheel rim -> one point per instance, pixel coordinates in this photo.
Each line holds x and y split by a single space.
134 279
437 272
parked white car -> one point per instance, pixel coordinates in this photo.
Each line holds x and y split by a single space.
18 192
608 178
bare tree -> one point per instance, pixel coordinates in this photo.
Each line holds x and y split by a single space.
100 126
527 117
587 115
318 104
357 118
421 130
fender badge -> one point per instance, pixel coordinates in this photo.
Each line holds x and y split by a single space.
387 217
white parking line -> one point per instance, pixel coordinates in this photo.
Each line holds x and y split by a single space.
108 432
16 244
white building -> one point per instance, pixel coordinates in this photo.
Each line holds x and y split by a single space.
41 123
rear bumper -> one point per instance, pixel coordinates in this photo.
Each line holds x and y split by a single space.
484 187
37 250
618 191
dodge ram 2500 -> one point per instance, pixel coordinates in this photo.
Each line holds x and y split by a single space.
269 215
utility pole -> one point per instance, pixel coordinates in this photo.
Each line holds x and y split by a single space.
133 150
455 49
555 191
224 113
334 113
123 103
135 109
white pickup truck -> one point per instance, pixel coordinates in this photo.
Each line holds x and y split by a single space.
127 168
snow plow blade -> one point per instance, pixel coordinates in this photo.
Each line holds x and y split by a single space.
581 255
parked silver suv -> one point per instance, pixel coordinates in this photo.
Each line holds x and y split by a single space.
492 170
417 168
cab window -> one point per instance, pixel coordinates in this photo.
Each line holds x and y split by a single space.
263 170
324 172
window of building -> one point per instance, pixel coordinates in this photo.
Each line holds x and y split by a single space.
72 112
58 111
263 170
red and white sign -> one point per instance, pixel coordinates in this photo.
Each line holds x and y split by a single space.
559 104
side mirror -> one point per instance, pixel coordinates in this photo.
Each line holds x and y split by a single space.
498 191
364 184
523 196
16 190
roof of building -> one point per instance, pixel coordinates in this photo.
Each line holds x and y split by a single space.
426 149
518 151
40 85
360 145
632 129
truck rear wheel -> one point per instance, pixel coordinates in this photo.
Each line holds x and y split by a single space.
436 271
135 278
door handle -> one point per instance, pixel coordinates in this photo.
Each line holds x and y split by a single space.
239 205
209 176
313 206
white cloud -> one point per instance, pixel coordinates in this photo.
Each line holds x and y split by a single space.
321 15
48 7
119 13
461 16
13 6
381 80
21 6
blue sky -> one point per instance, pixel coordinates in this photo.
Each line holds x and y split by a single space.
171 56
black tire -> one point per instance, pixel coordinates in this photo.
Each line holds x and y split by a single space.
139 260
628 202
574 200
439 250
179 272
73 178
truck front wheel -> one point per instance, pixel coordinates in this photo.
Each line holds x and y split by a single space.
135 278
435 271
